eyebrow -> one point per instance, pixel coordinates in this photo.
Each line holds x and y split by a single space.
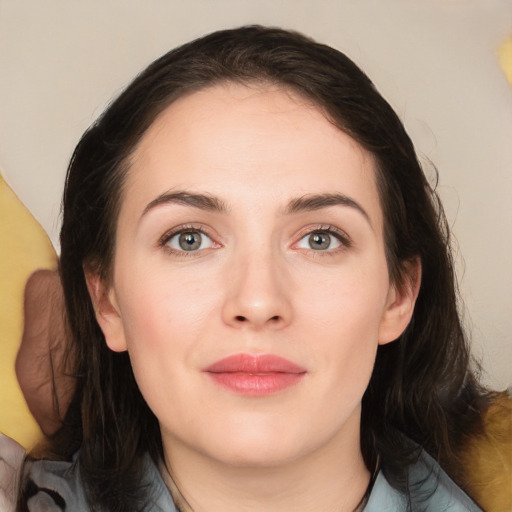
312 202
201 201
306 203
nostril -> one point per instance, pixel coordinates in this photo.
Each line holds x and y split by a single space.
240 318
275 318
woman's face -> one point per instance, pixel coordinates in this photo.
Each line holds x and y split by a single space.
250 284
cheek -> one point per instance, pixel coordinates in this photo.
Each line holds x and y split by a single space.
342 316
165 308
349 300
164 322
166 317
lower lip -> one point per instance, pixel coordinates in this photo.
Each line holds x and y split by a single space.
256 384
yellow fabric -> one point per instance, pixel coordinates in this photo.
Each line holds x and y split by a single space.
488 458
24 247
505 58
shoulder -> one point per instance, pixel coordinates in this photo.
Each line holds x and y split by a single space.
53 486
430 490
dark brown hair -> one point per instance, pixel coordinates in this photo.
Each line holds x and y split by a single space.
421 389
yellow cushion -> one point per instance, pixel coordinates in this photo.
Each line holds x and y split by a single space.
487 458
24 247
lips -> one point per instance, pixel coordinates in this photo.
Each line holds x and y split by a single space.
255 375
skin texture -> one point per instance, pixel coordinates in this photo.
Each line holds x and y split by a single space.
254 286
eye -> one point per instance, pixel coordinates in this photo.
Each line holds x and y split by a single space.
189 241
320 241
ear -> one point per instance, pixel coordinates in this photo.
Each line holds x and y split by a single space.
400 303
107 311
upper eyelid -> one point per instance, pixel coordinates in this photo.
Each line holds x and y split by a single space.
183 228
343 238
326 228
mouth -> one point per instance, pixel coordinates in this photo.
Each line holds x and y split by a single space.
255 375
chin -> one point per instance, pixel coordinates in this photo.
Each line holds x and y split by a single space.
251 456
259 447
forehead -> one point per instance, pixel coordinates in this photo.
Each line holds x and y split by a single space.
248 141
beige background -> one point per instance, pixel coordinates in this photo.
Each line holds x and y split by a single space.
435 61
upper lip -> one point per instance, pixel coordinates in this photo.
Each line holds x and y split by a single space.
258 363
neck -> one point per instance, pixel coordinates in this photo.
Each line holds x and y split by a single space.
332 478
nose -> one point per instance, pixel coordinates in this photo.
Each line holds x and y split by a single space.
258 294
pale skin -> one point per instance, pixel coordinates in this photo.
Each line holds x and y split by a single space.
235 167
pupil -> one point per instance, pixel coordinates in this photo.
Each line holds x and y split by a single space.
190 241
320 241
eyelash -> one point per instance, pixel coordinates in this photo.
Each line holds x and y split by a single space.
327 229
330 230
168 235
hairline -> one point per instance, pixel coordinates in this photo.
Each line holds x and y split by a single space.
126 163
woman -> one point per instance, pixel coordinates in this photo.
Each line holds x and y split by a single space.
260 295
